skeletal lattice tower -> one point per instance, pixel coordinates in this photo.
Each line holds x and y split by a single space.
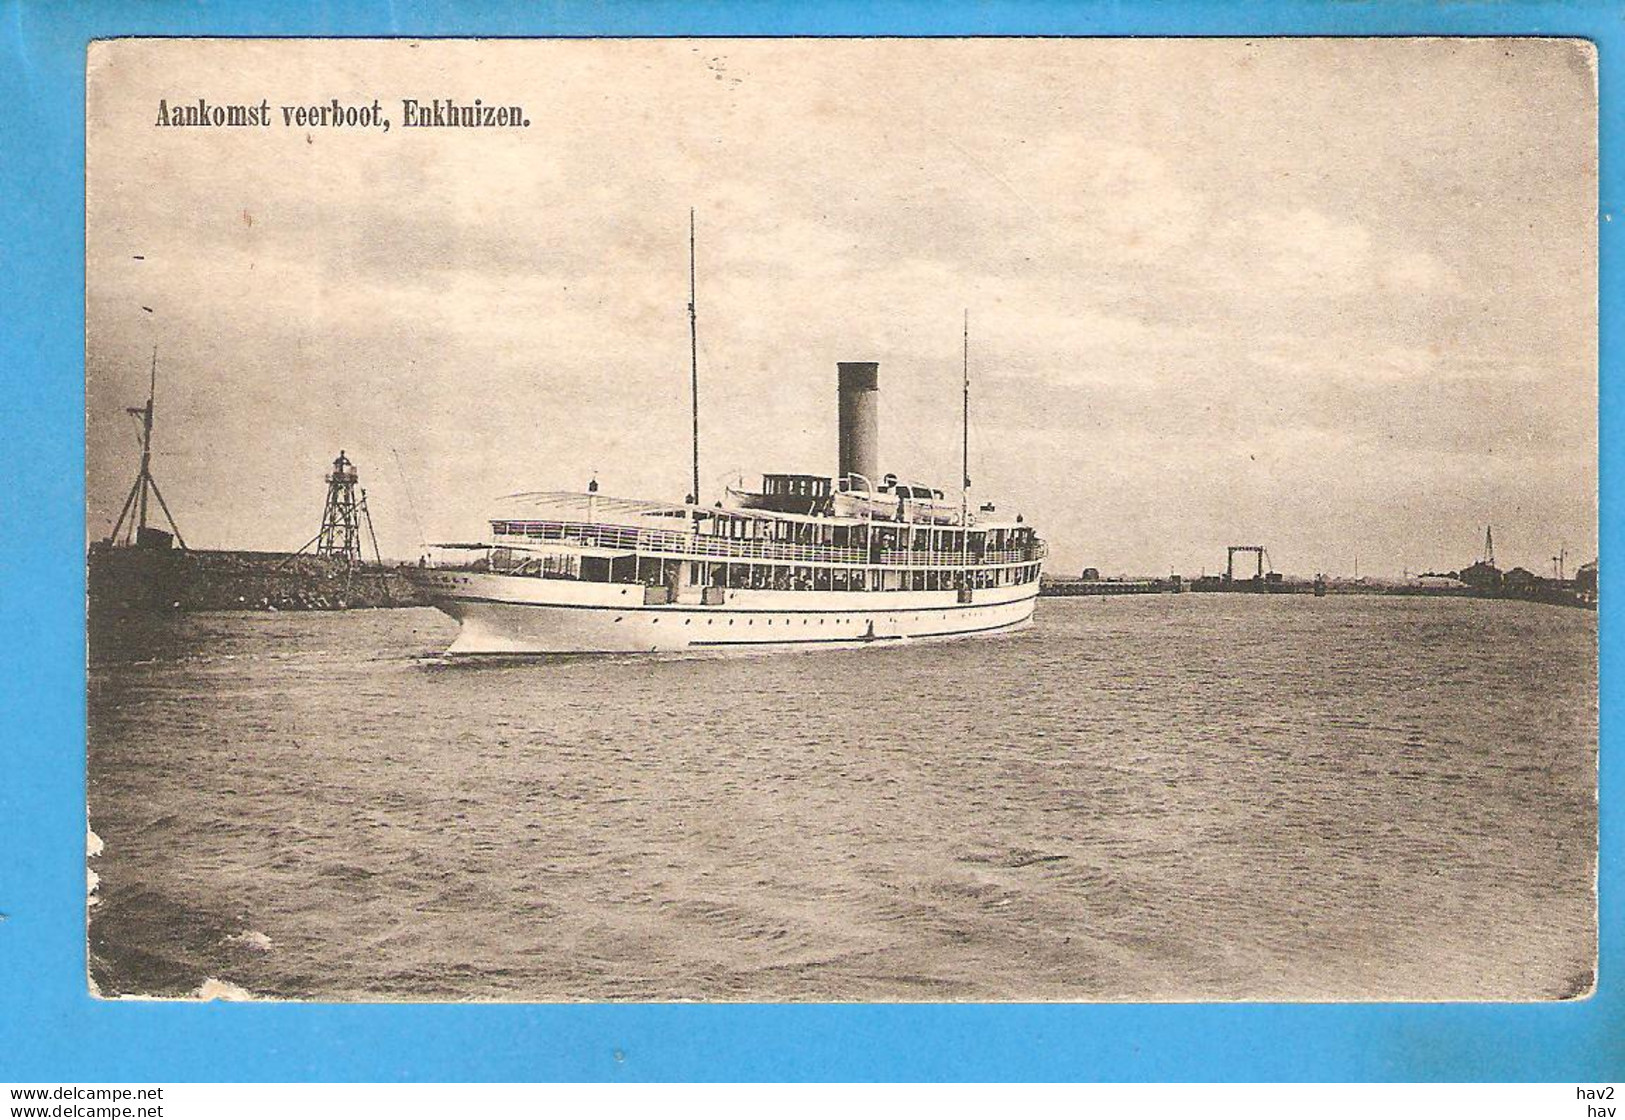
346 509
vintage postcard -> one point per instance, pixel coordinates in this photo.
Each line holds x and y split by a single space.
842 519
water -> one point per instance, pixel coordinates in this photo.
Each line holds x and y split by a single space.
1168 797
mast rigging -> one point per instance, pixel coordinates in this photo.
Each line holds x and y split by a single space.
964 453
137 501
694 358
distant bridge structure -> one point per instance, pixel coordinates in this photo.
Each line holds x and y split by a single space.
1230 560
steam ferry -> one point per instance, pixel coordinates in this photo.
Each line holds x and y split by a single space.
850 560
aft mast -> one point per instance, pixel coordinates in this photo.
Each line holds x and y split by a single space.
964 460
694 360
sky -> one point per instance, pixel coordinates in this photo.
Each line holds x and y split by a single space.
1334 297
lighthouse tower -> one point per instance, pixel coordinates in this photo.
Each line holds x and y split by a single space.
346 509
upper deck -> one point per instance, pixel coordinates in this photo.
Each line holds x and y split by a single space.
624 526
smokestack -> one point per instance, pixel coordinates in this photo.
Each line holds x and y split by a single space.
860 419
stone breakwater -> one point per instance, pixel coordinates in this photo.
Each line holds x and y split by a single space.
136 579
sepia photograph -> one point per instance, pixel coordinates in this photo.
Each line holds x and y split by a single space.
849 520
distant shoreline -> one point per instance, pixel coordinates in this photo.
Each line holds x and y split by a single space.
1556 596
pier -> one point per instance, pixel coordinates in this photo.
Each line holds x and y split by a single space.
141 567
1125 585
1481 579
123 579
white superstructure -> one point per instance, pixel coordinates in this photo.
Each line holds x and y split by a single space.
807 560
583 573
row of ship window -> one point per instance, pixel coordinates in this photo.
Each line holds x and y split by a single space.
762 577
916 538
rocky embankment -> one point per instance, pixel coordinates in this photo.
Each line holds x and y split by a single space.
133 579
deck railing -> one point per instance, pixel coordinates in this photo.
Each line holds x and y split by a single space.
665 542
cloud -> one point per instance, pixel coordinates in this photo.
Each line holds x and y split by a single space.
1203 290
1146 209
1305 253
1120 201
1305 248
1417 271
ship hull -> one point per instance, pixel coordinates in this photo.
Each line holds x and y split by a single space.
522 615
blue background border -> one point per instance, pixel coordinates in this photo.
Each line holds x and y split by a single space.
51 1030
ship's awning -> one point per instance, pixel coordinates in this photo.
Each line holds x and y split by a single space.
563 505
600 509
553 548
773 515
521 544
